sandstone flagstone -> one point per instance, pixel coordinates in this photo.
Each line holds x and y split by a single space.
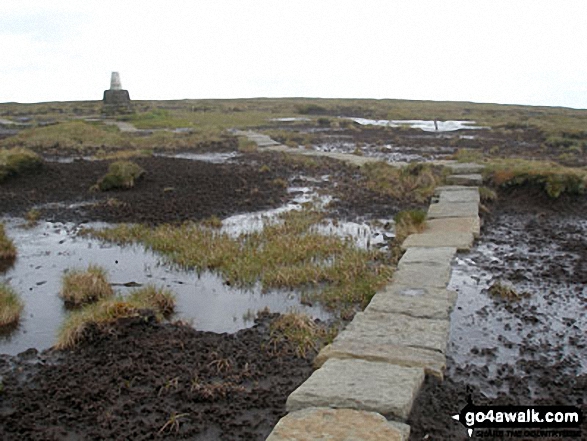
422 274
325 424
461 241
468 179
453 209
358 384
431 256
424 302
454 225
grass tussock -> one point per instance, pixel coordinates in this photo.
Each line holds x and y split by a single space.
414 182
297 333
160 299
17 161
554 179
10 306
7 248
286 254
504 291
83 287
247 146
121 175
409 222
103 314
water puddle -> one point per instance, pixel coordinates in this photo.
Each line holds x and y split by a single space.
388 152
548 325
49 249
214 158
425 125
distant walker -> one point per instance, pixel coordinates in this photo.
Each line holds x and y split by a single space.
116 99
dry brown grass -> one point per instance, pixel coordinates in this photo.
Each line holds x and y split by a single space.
83 287
7 248
10 306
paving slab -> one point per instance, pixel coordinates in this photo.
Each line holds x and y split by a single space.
468 195
465 168
396 330
433 362
430 256
421 302
453 209
461 241
443 188
423 275
454 225
325 424
358 384
469 179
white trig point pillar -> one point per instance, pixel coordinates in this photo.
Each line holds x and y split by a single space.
116 99
115 81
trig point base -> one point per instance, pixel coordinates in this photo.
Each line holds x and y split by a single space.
116 100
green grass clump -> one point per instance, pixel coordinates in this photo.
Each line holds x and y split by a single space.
10 306
247 146
409 222
160 299
505 292
107 311
553 178
297 333
7 248
411 183
83 287
121 175
18 160
285 254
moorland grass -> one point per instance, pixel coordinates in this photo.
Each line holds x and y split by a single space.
411 183
554 179
121 175
10 306
7 248
107 311
16 161
81 287
285 254
295 332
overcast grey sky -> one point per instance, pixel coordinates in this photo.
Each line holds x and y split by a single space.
513 51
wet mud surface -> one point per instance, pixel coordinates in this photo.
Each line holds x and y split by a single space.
145 380
527 351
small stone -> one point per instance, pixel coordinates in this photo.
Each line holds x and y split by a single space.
319 423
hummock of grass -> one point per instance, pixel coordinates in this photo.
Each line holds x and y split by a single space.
104 313
287 254
162 300
83 287
413 182
553 178
10 306
7 248
16 161
409 222
296 332
121 175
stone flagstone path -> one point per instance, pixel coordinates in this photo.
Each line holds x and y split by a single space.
367 379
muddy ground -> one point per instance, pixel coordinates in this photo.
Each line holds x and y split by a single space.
146 380
529 351
177 190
